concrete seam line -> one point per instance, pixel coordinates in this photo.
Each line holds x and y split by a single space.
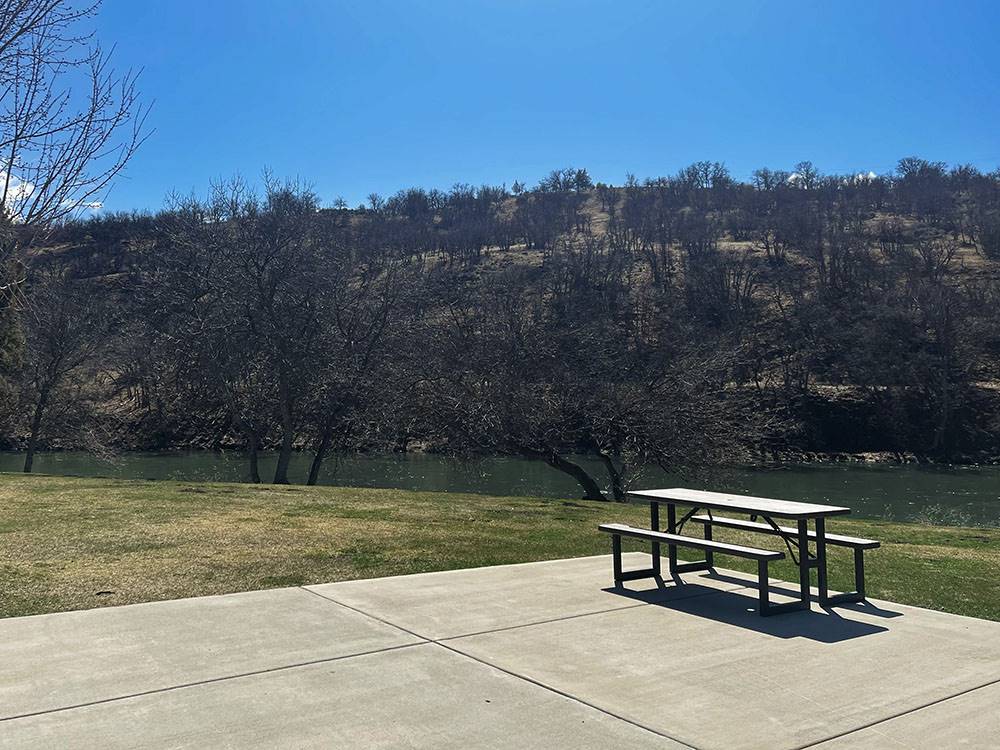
513 627
542 685
522 625
480 567
568 696
368 614
624 608
543 622
207 681
907 712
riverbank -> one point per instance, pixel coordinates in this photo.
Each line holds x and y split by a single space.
72 543
933 494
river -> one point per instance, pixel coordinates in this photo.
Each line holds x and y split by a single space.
938 494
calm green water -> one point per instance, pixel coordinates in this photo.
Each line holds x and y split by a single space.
946 495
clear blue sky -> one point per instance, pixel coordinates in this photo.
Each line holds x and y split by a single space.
376 96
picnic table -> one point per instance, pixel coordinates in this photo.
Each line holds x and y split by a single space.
797 539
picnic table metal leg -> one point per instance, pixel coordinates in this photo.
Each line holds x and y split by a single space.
709 555
804 562
654 524
858 595
616 558
821 560
763 600
859 573
672 529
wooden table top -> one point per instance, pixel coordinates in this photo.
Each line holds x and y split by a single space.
764 506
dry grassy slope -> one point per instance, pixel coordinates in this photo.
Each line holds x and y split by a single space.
968 263
968 266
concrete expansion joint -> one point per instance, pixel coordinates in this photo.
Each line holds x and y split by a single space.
369 615
207 681
873 725
441 642
577 616
568 696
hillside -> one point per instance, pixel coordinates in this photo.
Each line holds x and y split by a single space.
682 321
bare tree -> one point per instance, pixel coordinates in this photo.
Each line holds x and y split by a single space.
67 327
68 122
362 374
68 126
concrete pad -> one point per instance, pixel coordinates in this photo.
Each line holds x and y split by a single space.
650 667
462 602
710 672
65 659
970 720
419 697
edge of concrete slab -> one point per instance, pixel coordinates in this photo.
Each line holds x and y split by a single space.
777 585
151 602
548 561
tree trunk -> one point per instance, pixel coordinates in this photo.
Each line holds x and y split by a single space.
616 477
591 491
321 449
287 437
252 455
36 428
284 458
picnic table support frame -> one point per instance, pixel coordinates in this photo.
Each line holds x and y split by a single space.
616 557
821 583
672 529
621 576
858 595
654 524
673 565
806 562
709 555
765 608
793 542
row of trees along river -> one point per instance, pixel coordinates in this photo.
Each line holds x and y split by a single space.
675 322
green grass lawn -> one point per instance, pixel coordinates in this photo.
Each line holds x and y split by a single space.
69 543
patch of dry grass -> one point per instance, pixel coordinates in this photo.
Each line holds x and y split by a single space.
70 543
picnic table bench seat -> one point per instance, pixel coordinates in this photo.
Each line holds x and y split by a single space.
709 546
737 523
738 550
858 544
